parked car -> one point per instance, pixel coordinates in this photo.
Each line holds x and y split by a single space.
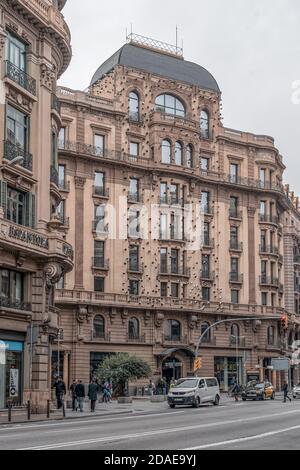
195 391
258 391
296 391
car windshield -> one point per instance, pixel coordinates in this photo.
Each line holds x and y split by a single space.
260 385
187 384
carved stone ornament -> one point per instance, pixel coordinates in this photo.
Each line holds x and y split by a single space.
112 314
47 76
53 273
193 321
2 41
159 318
124 315
82 314
147 317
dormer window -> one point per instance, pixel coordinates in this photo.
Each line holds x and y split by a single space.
204 124
134 107
169 104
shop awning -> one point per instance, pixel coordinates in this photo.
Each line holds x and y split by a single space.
168 352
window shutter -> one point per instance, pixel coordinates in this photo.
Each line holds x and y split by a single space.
3 196
30 210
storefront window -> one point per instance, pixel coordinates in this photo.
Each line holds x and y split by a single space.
11 373
228 370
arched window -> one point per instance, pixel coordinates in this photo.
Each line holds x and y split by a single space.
235 334
99 327
189 156
134 107
133 328
271 335
178 153
168 104
172 330
207 337
204 124
166 153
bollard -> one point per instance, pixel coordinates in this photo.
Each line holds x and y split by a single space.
48 409
28 410
64 409
9 412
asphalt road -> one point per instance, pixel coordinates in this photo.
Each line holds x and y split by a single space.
250 425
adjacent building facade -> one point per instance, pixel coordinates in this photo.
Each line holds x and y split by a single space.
34 51
142 155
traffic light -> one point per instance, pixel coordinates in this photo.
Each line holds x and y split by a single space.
197 364
284 322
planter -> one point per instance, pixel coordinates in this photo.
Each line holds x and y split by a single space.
124 400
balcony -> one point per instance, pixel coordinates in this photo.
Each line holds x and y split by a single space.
236 278
268 250
65 221
177 271
135 198
275 346
54 177
173 340
207 209
134 117
171 201
55 103
101 338
269 281
172 236
235 214
13 151
235 245
64 186
297 259
208 243
101 192
268 219
98 262
20 77
136 339
15 304
99 227
135 268
239 342
206 275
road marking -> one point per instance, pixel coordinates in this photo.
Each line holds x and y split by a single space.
155 432
244 439
28 427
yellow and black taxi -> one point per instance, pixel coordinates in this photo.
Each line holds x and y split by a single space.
258 391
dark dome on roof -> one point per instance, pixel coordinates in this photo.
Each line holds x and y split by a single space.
158 64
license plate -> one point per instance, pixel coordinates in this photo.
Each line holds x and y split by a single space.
178 399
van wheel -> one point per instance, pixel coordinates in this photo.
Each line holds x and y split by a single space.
172 406
217 401
197 403
273 396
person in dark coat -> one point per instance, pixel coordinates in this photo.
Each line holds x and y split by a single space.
60 391
80 394
286 392
73 395
93 394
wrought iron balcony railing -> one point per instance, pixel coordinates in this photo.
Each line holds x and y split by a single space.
265 280
208 242
235 245
268 218
54 176
20 77
101 337
101 191
135 197
130 338
99 262
12 151
236 278
269 250
99 227
135 268
207 275
171 200
235 214
15 304
174 271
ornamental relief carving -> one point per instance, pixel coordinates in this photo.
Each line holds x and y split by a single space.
19 99
52 273
48 76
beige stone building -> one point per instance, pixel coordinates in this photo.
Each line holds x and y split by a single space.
148 137
34 51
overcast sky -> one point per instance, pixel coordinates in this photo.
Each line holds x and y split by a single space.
252 47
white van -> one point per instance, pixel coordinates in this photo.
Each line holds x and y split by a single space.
195 391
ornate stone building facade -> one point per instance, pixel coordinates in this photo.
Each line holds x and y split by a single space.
149 134
34 51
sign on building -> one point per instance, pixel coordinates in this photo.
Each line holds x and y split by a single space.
14 383
280 364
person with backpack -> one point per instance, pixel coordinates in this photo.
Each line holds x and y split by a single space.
80 394
236 391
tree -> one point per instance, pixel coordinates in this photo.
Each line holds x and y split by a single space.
122 368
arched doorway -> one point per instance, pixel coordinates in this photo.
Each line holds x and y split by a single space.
171 369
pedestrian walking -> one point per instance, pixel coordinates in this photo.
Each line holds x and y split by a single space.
106 393
80 395
93 394
236 391
286 392
73 395
60 391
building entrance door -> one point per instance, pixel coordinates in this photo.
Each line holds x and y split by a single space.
171 369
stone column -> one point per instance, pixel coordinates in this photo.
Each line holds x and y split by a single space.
66 369
251 253
79 233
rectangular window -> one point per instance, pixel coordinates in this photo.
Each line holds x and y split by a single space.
262 177
262 208
134 150
16 201
134 287
174 290
163 193
62 138
134 224
61 283
206 266
234 265
163 226
17 125
134 258
134 190
99 284
11 288
62 176
264 298
175 227
16 52
174 193
263 241
99 141
164 260
234 170
235 297
234 238
234 204
174 261
100 218
206 234
204 165
273 300
205 199
99 183
206 294
99 254
164 289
